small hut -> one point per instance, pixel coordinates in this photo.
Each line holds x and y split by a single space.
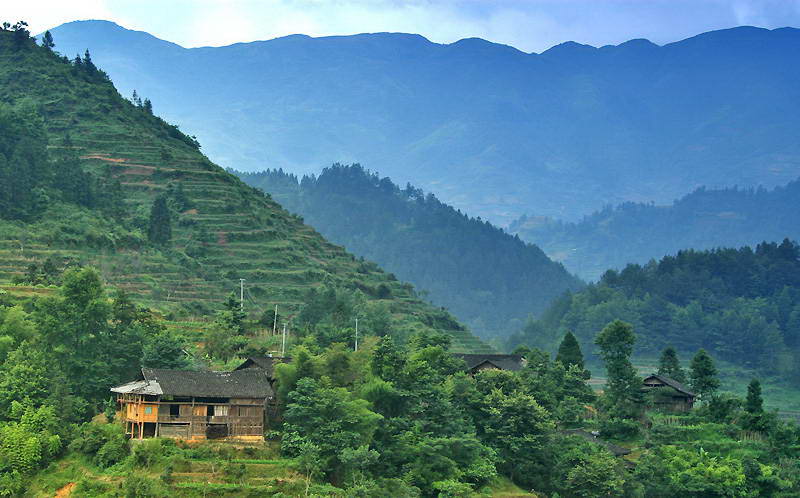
671 394
478 362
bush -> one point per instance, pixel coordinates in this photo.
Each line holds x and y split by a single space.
138 486
619 428
113 451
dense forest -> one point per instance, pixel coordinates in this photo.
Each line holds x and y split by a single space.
401 420
742 305
490 280
637 232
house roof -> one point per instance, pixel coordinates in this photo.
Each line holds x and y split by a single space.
672 383
249 383
266 363
501 361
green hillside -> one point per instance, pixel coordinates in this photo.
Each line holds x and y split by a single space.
490 280
222 230
741 305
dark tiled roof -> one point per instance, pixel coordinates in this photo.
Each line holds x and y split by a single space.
672 383
501 361
249 383
266 363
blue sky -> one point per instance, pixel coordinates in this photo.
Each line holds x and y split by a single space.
530 25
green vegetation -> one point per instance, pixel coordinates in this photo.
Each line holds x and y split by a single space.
92 179
487 278
637 232
740 305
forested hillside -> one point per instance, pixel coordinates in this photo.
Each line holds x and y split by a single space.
490 280
742 305
489 129
90 178
638 232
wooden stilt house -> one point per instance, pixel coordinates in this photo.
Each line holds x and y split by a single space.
669 393
196 405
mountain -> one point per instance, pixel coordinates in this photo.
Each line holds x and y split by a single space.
638 232
742 305
91 178
489 129
489 279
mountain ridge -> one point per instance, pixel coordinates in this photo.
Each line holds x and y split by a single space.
490 130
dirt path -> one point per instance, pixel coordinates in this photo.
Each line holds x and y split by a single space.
66 490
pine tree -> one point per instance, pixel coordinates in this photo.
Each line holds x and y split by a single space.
47 41
754 404
569 352
88 65
148 106
160 229
703 374
670 365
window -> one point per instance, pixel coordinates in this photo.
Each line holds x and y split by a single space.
148 410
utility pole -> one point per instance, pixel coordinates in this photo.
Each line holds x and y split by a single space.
283 346
356 349
275 321
241 294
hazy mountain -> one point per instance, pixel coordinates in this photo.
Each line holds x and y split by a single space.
637 232
487 128
490 280
88 173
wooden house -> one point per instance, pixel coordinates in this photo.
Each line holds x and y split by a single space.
478 362
671 394
196 405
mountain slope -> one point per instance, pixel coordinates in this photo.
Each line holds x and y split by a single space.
490 280
636 232
742 305
222 230
489 129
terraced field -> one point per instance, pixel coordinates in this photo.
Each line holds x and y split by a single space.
230 232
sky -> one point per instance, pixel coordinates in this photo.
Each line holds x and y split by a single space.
529 25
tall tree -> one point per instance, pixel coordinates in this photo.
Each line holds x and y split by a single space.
670 365
754 404
569 351
160 229
703 374
624 386
47 41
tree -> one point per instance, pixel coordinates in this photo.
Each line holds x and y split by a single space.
754 403
147 106
703 374
569 353
47 41
330 418
165 351
88 65
670 366
624 387
160 230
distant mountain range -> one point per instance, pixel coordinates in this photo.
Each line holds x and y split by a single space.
490 280
638 232
489 129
